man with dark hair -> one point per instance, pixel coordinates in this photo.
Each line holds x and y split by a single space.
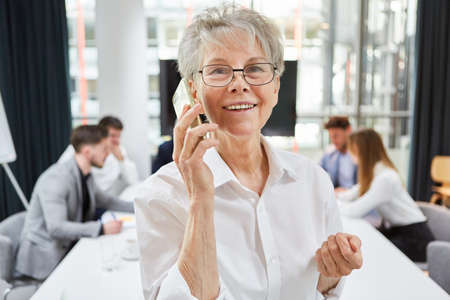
87 135
111 122
63 204
336 160
119 171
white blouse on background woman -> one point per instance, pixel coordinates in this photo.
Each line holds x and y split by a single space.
386 195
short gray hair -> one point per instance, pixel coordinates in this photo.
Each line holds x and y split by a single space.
212 24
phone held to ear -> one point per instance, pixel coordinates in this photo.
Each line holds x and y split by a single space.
182 97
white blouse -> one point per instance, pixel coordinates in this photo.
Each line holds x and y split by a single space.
387 195
265 244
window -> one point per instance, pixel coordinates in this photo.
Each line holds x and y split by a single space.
90 57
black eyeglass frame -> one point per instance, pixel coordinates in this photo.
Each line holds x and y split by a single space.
274 69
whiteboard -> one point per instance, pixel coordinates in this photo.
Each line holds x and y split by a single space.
7 152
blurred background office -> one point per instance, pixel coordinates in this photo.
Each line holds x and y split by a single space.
344 59
382 63
353 58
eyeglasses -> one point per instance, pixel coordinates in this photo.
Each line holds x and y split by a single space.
222 75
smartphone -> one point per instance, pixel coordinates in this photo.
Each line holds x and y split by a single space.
182 97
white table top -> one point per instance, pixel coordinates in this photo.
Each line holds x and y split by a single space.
386 274
80 275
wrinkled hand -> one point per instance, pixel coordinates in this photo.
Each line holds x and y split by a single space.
112 227
339 255
189 148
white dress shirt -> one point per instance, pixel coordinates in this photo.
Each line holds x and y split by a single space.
387 195
115 175
265 244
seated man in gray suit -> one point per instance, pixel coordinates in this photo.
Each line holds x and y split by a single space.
63 203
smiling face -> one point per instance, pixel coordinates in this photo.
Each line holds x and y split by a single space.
240 109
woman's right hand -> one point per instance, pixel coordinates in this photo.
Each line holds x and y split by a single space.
197 261
189 148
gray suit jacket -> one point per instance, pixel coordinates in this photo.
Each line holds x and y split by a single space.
54 219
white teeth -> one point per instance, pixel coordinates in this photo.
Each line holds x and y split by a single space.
241 106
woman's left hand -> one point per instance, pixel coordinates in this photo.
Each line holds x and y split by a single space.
338 257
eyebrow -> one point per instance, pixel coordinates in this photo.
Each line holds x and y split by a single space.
221 60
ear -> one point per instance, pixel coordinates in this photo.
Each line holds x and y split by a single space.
277 85
276 89
86 151
194 92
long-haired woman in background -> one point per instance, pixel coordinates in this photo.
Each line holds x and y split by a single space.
380 187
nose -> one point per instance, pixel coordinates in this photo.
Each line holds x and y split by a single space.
238 83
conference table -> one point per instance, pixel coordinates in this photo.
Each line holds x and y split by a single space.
387 274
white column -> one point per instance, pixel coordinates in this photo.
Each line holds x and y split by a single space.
122 78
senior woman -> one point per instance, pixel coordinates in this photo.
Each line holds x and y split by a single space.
233 217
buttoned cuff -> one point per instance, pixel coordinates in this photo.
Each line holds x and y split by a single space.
175 287
334 293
